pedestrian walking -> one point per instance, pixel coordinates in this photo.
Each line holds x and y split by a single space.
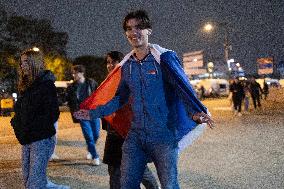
164 106
247 96
255 91
114 142
265 89
77 92
237 91
36 112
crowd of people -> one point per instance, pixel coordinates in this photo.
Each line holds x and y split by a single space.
164 109
242 92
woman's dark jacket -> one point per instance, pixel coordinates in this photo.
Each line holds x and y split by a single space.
113 146
36 110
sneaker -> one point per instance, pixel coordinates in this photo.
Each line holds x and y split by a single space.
89 156
51 185
53 157
239 114
96 161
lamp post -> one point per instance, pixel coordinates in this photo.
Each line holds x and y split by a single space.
227 47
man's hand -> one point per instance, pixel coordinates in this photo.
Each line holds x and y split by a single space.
82 114
201 117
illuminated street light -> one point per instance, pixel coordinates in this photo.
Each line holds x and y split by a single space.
35 49
227 47
208 27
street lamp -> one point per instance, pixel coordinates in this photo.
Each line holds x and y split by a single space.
36 49
227 47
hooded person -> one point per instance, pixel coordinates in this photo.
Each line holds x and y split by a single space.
36 112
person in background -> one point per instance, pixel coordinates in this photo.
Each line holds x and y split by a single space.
237 95
161 98
36 112
77 92
265 89
114 142
255 91
247 96
230 96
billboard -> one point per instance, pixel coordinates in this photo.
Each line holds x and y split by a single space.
193 63
265 65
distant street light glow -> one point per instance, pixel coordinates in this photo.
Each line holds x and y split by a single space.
35 49
208 27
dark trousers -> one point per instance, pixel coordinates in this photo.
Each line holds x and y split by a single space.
148 180
256 99
237 101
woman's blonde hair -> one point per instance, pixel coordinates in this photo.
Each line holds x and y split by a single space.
36 65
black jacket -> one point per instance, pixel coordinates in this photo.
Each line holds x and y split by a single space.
255 89
113 146
36 110
72 99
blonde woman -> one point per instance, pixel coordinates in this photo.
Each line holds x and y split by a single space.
36 111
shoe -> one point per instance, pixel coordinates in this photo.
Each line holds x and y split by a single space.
89 156
239 114
51 185
96 161
53 157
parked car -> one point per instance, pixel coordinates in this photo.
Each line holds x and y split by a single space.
270 82
214 87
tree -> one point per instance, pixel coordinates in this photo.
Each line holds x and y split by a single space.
18 33
95 66
59 65
27 32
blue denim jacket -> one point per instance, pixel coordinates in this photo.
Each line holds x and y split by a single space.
160 105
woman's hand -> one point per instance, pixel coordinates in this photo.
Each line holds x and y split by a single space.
82 114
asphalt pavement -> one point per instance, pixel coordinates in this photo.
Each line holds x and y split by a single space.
245 152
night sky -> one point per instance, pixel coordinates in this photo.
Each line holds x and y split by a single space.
94 27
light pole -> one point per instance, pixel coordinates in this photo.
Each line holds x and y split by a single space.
227 47
210 68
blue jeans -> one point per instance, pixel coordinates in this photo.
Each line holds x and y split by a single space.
136 152
35 158
91 132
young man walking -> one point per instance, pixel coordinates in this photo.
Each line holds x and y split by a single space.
77 92
164 106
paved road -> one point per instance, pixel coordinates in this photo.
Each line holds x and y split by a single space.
241 152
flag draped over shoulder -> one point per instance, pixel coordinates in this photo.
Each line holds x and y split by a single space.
121 119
